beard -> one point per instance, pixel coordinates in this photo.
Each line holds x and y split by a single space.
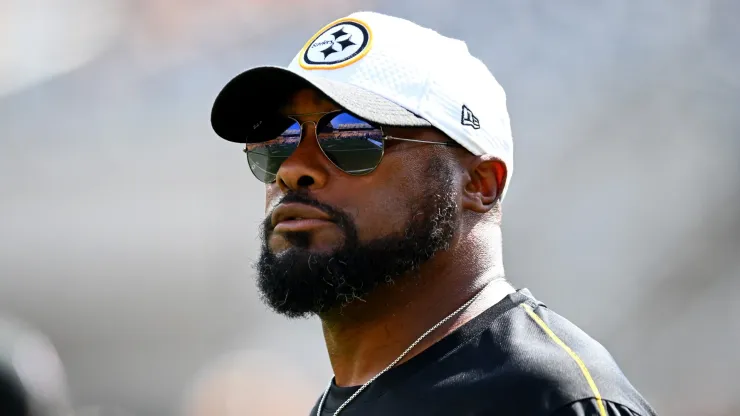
300 283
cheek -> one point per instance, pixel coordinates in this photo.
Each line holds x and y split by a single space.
382 215
383 205
272 197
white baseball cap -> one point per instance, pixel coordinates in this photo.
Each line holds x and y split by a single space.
385 70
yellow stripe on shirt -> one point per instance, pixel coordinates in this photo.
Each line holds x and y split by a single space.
573 355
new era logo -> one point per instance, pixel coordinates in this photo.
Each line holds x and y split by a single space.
468 119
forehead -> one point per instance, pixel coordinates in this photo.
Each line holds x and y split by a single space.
307 100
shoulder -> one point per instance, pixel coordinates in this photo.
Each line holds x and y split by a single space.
550 361
597 407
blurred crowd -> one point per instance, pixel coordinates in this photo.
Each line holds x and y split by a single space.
127 228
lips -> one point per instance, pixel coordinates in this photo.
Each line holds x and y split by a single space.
298 217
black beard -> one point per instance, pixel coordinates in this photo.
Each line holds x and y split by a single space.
298 283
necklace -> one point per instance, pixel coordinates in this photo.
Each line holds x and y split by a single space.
396 361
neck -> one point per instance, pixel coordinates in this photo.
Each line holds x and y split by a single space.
365 336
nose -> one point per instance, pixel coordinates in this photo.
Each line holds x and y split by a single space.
306 168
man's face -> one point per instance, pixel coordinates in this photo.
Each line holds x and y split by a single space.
330 237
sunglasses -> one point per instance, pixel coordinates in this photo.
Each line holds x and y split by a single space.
353 145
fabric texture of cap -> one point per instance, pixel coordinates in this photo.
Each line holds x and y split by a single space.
388 71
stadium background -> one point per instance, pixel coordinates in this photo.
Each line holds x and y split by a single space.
127 226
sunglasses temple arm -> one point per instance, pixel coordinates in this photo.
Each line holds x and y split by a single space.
450 143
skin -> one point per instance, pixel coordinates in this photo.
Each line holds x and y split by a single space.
368 334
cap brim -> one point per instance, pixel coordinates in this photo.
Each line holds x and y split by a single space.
255 92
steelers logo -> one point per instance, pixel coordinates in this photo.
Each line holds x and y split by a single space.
339 44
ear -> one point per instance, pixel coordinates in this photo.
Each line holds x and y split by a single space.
484 183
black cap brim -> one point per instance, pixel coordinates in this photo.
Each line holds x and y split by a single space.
253 93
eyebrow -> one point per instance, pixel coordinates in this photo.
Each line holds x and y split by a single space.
314 113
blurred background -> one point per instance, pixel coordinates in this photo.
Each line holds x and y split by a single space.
127 227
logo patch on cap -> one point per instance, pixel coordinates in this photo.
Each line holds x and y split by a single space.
338 44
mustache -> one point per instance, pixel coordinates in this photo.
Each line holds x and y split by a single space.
342 218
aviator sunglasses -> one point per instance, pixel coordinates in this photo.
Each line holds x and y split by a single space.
354 145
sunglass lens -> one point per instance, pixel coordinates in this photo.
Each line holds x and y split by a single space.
278 140
352 144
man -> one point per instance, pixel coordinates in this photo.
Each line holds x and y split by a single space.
386 149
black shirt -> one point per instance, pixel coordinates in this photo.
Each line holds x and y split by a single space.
518 358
